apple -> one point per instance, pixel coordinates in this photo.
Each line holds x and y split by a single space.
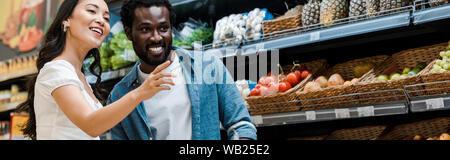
395 75
322 81
382 78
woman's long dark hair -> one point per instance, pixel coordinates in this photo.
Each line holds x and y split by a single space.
53 45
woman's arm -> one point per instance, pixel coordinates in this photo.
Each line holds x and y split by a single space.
95 122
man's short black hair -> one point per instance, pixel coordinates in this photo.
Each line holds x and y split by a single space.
128 8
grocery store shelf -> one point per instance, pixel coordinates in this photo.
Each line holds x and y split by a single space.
390 108
18 74
429 96
335 32
352 26
109 75
431 14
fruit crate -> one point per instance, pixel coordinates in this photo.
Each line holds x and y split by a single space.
361 133
406 58
280 102
426 128
422 4
441 79
325 96
290 22
354 99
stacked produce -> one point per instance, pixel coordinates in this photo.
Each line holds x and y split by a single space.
271 84
117 53
233 29
243 87
394 4
331 10
311 13
192 31
434 3
322 82
442 64
443 136
393 73
18 66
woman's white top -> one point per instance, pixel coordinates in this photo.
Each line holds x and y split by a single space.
51 122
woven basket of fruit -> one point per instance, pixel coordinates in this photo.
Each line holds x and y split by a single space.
361 133
286 23
426 128
274 94
332 92
402 69
437 71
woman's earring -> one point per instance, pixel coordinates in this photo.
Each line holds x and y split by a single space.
65 27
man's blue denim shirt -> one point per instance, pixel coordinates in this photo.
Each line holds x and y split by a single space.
214 98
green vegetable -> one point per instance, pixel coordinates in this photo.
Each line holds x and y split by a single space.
118 45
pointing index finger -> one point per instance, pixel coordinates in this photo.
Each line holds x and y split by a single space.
161 67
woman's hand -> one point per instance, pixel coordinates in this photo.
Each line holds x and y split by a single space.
155 82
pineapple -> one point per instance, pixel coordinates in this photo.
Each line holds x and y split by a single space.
331 10
392 4
372 6
311 13
357 8
434 3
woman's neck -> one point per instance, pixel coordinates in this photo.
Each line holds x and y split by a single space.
74 53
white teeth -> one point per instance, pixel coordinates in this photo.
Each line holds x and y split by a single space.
97 30
155 49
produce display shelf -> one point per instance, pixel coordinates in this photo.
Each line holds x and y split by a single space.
352 26
398 104
423 102
109 75
390 108
424 15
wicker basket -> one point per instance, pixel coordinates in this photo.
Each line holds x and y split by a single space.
442 78
426 128
406 58
290 20
361 133
332 96
280 102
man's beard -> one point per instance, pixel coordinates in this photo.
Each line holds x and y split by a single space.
151 61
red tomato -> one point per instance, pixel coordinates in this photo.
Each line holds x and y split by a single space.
264 91
262 80
281 78
284 86
298 73
270 79
292 79
305 74
258 86
255 92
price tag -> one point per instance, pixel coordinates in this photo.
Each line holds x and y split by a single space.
314 36
342 113
310 115
257 119
435 103
365 111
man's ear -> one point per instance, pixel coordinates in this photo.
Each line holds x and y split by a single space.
128 33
